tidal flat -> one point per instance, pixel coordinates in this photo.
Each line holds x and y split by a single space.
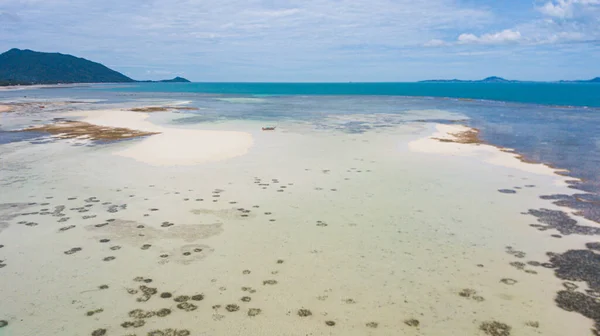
346 225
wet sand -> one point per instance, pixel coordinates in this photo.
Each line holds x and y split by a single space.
5 108
298 231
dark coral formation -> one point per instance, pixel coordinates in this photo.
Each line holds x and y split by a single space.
232 308
181 298
579 265
99 332
587 205
186 306
254 311
304 312
495 328
560 221
73 250
198 297
412 322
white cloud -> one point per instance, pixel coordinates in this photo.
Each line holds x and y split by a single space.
565 9
564 21
505 36
435 43
274 39
559 9
219 36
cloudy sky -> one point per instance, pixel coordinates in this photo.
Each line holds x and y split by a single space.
316 40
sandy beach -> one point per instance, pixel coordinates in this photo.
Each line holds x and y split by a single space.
222 229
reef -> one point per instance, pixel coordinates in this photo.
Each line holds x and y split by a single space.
77 129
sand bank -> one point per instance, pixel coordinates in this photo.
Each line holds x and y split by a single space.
5 108
150 109
458 140
173 146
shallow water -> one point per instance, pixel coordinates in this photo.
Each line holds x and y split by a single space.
331 214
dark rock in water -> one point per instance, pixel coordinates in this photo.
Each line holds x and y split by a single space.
73 250
186 306
198 297
232 308
593 246
507 191
65 228
3 323
99 332
182 298
581 303
495 328
254 311
560 220
412 322
304 312
587 205
163 312
578 265
508 281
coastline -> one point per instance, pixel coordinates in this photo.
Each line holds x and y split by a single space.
44 86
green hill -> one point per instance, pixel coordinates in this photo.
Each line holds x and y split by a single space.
31 67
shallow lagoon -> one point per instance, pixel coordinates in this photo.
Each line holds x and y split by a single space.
347 220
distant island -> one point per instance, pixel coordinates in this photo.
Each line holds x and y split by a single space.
593 80
174 80
495 79
27 67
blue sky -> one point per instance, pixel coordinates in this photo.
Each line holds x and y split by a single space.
316 40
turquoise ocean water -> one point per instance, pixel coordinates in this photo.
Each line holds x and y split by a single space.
562 94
